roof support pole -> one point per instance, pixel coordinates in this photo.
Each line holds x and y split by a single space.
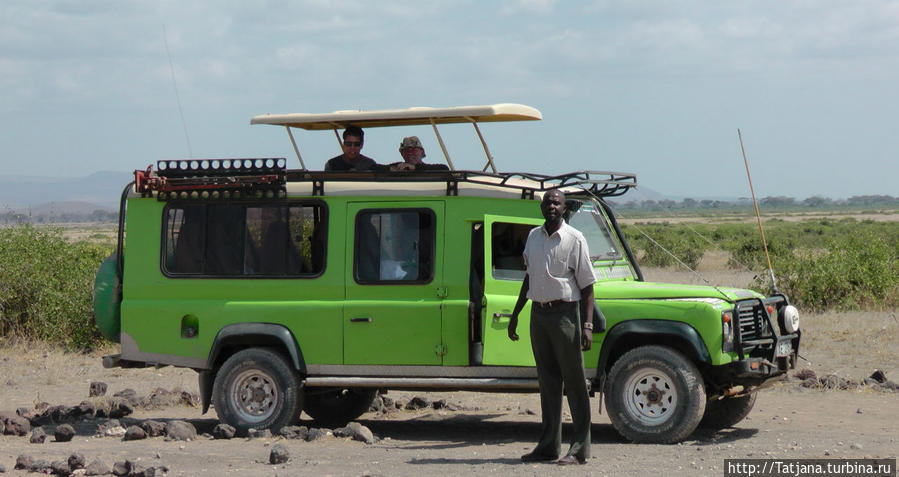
484 143
295 148
442 145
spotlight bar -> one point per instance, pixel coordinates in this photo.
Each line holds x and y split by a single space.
214 179
219 167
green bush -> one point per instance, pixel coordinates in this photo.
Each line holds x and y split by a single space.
46 286
852 272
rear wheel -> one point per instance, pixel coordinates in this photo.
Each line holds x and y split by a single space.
257 388
724 413
337 406
655 395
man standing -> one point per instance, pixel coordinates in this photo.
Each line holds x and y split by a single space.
559 280
352 159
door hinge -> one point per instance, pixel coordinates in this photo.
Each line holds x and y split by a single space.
441 292
440 350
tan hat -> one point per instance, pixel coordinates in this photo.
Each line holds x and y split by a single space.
411 141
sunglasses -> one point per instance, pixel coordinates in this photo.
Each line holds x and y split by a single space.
352 143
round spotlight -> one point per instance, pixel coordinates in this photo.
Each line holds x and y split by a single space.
258 163
162 165
182 165
269 163
194 165
226 164
247 163
216 194
281 162
215 164
204 165
204 194
183 195
226 194
173 195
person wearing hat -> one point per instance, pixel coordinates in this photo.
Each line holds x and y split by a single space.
412 153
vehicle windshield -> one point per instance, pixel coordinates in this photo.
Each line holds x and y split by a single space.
590 219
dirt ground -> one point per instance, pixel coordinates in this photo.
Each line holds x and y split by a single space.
491 431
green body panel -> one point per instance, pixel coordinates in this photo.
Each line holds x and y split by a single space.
338 321
106 302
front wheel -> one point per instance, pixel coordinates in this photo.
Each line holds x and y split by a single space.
724 413
257 388
337 406
655 395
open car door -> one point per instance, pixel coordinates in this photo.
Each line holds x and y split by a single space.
504 270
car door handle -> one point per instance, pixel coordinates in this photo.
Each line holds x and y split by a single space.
497 316
366 319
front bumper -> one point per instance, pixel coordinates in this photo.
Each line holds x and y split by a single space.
764 348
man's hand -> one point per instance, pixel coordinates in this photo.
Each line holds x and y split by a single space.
513 327
586 339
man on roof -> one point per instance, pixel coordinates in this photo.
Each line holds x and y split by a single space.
413 152
352 159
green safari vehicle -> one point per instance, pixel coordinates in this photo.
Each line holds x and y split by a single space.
294 290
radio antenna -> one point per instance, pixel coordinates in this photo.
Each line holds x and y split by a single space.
165 40
757 215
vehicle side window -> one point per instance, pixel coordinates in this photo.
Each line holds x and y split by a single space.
244 240
395 246
507 245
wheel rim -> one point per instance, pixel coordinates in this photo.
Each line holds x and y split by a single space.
650 396
254 395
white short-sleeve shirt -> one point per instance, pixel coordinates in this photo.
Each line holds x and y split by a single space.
558 265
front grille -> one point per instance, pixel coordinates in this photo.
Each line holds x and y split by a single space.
752 324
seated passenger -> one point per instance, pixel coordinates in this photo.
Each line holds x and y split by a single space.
412 153
352 159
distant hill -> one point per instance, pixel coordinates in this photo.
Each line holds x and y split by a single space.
100 190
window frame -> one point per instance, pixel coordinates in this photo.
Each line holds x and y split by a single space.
381 210
243 204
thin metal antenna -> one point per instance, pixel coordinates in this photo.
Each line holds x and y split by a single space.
165 40
757 214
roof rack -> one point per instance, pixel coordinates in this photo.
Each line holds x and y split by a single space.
267 178
587 183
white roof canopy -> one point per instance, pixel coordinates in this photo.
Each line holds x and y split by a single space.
403 117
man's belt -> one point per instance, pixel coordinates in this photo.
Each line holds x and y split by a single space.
552 304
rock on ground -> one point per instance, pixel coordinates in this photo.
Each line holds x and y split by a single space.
357 432
14 424
134 433
38 436
278 455
76 461
153 428
294 432
96 468
64 433
223 431
180 431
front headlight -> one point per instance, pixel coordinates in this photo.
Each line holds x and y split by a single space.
791 319
727 331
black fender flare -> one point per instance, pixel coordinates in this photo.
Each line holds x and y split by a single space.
654 331
246 335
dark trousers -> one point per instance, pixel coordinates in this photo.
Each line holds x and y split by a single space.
556 341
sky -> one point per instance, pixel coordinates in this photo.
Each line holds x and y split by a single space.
655 87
